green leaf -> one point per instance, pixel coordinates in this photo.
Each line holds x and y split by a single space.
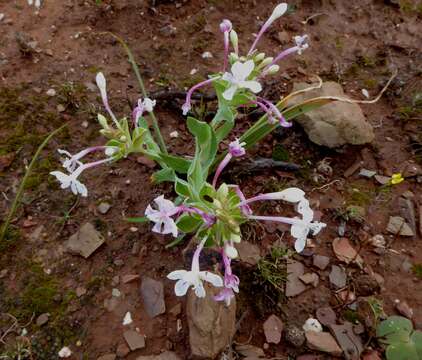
395 329
177 163
187 223
163 175
176 241
223 130
401 351
196 178
182 188
137 219
416 338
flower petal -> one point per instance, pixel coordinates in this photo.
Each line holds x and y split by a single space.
214 279
177 275
300 244
292 194
170 227
252 85
181 287
199 290
164 204
241 71
229 93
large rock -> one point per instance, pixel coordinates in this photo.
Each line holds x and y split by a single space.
322 341
152 293
333 124
211 323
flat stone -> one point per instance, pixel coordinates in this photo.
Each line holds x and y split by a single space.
345 252
211 323
333 124
273 328
320 261
350 343
383 180
407 211
134 339
129 278
85 241
80 291
152 293
404 309
397 225
367 173
310 279
43 319
338 276
107 357
104 207
250 351
248 253
326 316
166 355
294 286
323 341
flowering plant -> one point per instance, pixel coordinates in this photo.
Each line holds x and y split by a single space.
212 211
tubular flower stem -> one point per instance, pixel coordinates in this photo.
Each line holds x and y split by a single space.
187 105
268 111
209 219
71 163
283 122
301 45
231 282
279 10
102 85
226 27
246 210
220 168
292 195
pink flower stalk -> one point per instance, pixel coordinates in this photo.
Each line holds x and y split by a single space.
236 149
72 162
246 210
143 105
187 105
279 10
231 282
209 219
102 85
276 113
226 27
292 195
301 45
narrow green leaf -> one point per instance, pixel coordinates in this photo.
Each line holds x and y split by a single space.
164 175
137 219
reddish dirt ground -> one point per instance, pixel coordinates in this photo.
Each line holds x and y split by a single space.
357 44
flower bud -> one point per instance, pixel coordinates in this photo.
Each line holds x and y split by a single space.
103 121
235 238
231 251
266 61
259 57
272 70
226 26
278 11
233 58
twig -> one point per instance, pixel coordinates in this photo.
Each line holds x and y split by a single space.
326 185
312 17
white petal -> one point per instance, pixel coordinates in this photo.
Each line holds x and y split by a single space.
252 85
101 82
170 227
127 320
227 77
73 187
157 227
300 244
292 194
241 71
229 93
151 214
164 204
177 275
279 10
199 290
82 189
60 176
214 279
181 287
305 210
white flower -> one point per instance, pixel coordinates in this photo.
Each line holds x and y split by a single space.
71 181
237 79
164 224
65 352
102 85
127 320
301 229
195 277
312 325
278 11
149 104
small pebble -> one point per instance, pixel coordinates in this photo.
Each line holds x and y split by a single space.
51 92
174 134
207 55
116 292
127 320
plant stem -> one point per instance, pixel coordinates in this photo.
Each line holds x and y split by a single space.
22 184
135 68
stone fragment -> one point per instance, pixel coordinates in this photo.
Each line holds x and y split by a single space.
85 241
273 327
104 207
152 293
250 351
312 325
43 319
107 357
404 309
295 336
377 241
338 276
336 123
310 279
371 355
166 355
345 252
321 261
383 180
134 339
122 350
407 211
129 278
80 291
323 341
397 225
248 253
326 316
294 286
367 173
211 323
350 343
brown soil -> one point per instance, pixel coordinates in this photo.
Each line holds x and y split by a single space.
355 43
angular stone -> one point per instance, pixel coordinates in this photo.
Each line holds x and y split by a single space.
122 350
326 316
107 357
350 343
248 253
250 351
338 276
211 323
294 286
104 207
273 327
310 279
129 278
336 123
152 293
42 319
295 336
85 241
407 211
344 251
166 355
323 341
134 339
397 225
321 261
